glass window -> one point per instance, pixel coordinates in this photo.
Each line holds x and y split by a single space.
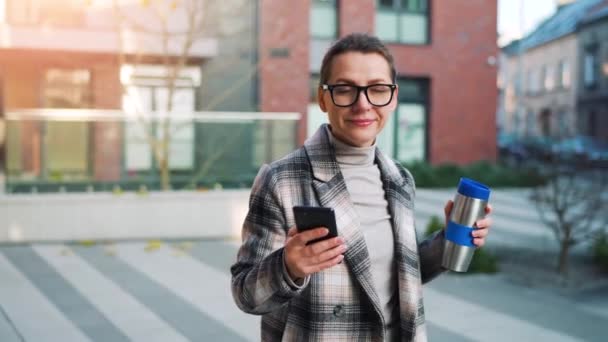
403 21
563 74
324 19
147 92
66 142
590 68
13 148
65 88
315 116
66 149
411 120
548 80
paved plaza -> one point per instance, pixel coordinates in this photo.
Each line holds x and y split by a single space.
180 291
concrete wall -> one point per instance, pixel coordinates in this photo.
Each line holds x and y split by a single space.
101 216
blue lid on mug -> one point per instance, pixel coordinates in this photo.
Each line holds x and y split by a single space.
470 188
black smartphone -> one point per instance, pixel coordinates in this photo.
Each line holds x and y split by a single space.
314 217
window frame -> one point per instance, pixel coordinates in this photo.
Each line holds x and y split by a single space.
590 51
397 9
334 4
424 100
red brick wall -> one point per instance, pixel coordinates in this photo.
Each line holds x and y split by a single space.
107 137
462 116
283 81
463 89
356 16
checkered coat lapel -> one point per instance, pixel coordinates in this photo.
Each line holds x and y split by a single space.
331 191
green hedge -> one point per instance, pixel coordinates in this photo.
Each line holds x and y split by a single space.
482 262
493 175
600 250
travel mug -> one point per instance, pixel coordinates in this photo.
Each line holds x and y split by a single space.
469 206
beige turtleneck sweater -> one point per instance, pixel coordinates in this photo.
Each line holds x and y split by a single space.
362 177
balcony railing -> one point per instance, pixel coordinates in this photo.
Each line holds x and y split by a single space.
67 150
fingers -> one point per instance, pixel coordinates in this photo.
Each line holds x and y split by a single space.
488 209
322 246
484 223
448 208
479 242
327 264
328 254
309 235
302 259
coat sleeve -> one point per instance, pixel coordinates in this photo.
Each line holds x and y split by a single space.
430 250
258 284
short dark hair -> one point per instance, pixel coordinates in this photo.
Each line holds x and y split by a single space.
356 42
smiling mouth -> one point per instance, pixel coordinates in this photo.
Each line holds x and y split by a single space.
362 122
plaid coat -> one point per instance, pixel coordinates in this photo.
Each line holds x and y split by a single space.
340 303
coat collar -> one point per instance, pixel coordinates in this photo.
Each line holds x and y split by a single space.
322 157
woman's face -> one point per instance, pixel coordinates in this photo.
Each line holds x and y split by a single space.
359 124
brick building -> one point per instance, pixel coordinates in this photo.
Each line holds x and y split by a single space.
445 57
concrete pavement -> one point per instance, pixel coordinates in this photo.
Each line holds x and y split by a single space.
179 291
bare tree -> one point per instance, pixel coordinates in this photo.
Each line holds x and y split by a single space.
573 204
176 27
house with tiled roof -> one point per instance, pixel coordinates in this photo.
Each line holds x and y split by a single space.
540 77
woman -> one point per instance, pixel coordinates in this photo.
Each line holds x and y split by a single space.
365 284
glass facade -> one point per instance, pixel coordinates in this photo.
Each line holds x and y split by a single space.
324 19
411 120
403 21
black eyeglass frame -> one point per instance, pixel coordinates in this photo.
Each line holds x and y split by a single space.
331 87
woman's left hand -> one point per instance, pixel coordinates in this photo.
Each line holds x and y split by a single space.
483 225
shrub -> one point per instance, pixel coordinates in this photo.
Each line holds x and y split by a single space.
493 175
600 250
482 262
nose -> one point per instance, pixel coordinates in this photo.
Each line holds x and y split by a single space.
362 104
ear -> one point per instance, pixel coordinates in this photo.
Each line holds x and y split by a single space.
321 99
394 100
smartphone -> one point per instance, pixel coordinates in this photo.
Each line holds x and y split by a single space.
314 217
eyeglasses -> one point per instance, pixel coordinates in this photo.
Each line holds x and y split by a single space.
345 95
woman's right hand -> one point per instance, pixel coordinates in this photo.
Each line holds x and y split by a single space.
302 260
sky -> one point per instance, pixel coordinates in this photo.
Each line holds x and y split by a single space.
509 22
512 20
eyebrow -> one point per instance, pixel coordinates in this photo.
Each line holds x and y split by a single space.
372 81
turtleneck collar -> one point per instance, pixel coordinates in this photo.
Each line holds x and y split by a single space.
347 155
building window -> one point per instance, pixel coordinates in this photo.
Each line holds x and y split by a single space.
563 74
534 79
590 67
148 92
530 128
66 142
410 124
315 116
324 19
403 21
548 78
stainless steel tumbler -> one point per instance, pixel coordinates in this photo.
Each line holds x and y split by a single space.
469 206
